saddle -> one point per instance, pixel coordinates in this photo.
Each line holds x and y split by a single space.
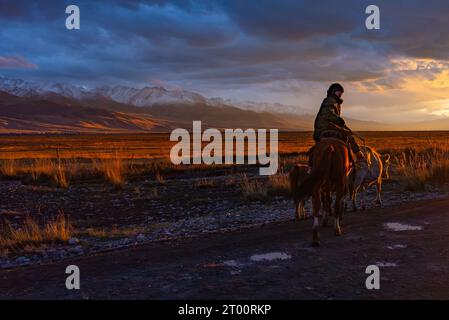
334 140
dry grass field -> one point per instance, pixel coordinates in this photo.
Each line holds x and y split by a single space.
157 145
64 159
58 187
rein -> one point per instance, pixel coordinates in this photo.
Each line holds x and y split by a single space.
363 140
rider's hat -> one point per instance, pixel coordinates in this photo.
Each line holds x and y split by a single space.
334 88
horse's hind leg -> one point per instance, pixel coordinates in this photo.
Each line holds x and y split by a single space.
297 209
326 202
316 201
302 210
338 213
329 202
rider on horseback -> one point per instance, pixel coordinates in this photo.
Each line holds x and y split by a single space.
329 123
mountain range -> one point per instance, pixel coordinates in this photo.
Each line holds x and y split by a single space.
38 107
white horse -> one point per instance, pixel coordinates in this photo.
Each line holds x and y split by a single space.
367 173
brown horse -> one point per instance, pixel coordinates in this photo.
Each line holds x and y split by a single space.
298 174
329 175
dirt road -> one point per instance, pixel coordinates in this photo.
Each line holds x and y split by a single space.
275 261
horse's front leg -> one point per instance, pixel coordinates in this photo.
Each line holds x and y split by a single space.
354 199
338 213
363 197
379 191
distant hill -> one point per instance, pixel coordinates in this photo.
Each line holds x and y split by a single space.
29 115
32 107
54 113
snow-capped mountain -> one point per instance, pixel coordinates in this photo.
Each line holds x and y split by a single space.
24 88
268 107
144 97
32 107
150 96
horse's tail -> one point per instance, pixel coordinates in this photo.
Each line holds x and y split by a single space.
319 173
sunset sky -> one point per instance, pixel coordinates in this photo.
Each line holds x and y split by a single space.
258 50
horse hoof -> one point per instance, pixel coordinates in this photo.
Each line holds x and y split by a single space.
338 232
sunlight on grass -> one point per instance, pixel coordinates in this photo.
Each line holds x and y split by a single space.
33 234
279 184
113 170
417 169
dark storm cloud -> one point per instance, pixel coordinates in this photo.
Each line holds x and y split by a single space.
413 28
417 28
293 19
224 41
